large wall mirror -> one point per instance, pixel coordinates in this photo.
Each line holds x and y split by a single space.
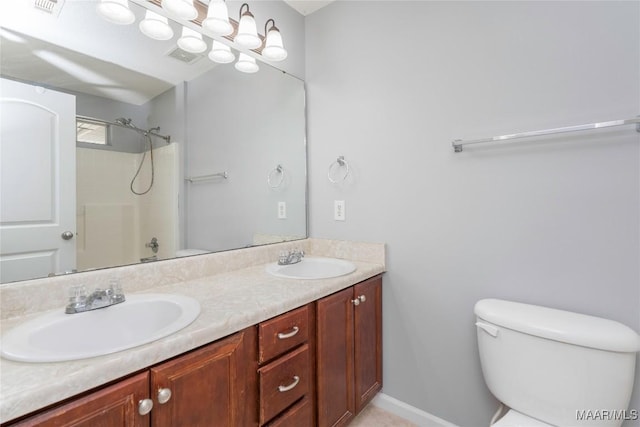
118 149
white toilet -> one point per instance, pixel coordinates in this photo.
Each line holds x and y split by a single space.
554 367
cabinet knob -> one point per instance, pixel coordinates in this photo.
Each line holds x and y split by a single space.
362 298
356 301
145 406
164 394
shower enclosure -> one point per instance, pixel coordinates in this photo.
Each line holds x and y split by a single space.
124 189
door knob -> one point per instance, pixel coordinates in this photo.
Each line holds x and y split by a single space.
164 394
145 406
67 235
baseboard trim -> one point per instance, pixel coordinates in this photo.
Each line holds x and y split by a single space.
408 412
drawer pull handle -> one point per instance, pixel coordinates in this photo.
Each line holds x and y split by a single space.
284 336
283 388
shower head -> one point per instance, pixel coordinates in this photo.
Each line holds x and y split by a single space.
124 122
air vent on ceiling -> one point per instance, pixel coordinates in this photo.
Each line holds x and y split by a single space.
183 55
52 7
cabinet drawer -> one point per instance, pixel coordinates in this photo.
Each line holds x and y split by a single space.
278 335
299 415
283 381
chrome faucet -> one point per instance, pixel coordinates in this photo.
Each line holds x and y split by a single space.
79 301
290 257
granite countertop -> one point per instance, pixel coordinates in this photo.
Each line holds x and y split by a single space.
229 302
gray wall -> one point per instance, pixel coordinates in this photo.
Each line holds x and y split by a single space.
245 125
552 221
123 140
229 128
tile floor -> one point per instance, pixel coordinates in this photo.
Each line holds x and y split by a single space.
372 416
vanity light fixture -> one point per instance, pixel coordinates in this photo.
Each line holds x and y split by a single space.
273 47
246 64
217 20
181 8
116 11
221 53
156 26
247 36
191 41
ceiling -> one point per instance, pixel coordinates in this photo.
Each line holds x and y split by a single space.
77 50
306 7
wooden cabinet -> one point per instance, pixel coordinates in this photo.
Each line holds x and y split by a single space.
286 373
319 364
215 382
349 351
114 405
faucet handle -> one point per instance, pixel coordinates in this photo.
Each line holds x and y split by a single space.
77 293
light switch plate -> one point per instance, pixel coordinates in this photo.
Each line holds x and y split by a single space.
282 210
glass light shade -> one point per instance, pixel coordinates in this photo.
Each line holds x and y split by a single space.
247 36
221 53
116 11
273 48
246 64
217 20
156 26
191 41
181 8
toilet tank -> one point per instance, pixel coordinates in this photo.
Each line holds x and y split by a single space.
563 368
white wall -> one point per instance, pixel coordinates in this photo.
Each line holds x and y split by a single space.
553 221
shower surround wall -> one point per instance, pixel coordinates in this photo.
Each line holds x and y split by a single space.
553 221
113 224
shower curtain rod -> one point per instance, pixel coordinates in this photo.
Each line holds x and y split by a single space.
458 143
167 138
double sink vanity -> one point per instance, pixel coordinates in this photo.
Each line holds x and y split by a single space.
229 338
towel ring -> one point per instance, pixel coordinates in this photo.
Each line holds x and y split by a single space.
271 176
340 161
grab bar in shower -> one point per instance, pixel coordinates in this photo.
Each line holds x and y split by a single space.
199 178
458 143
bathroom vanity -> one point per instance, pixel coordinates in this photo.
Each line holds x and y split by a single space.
264 351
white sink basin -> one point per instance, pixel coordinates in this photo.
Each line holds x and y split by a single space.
312 268
56 336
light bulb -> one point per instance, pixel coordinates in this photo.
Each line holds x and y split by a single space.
246 64
273 48
221 53
156 26
217 20
116 11
247 36
181 8
191 41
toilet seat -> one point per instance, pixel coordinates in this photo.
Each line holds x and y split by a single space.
516 419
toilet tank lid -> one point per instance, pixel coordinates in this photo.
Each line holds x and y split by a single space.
559 325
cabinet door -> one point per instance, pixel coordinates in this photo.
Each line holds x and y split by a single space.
112 406
215 385
368 340
336 405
